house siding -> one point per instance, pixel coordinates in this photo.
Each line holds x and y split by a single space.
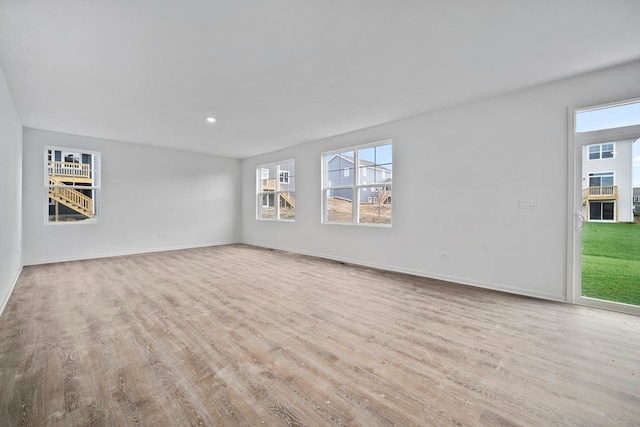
621 167
368 175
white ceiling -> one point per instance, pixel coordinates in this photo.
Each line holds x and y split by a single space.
283 72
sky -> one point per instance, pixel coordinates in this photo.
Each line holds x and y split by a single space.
613 117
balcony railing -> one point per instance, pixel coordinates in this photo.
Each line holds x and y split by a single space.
269 184
72 170
600 193
70 197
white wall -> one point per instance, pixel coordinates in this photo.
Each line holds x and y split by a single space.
10 193
459 175
146 191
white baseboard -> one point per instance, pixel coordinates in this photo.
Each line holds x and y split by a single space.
426 274
124 253
13 285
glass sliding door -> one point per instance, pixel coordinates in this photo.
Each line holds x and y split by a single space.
605 242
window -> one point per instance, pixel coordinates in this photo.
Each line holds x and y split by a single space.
72 185
601 151
276 197
608 117
636 199
345 195
602 179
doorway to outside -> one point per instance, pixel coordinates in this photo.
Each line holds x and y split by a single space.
605 242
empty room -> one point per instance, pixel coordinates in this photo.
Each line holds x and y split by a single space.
320 213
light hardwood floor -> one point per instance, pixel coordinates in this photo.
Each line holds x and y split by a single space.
238 335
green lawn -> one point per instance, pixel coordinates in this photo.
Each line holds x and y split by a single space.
611 262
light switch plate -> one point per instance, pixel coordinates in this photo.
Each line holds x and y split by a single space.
527 204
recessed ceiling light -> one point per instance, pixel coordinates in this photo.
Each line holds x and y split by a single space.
211 119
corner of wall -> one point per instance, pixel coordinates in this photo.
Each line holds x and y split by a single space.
11 133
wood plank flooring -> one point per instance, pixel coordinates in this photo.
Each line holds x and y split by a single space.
238 335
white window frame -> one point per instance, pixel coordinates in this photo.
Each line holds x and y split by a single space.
277 191
356 187
96 187
600 151
607 106
601 175
615 207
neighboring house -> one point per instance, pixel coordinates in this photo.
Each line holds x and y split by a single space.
340 171
607 191
286 179
636 200
68 172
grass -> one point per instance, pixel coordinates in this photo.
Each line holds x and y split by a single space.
611 262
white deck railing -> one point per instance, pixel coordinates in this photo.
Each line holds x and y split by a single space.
609 190
67 169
